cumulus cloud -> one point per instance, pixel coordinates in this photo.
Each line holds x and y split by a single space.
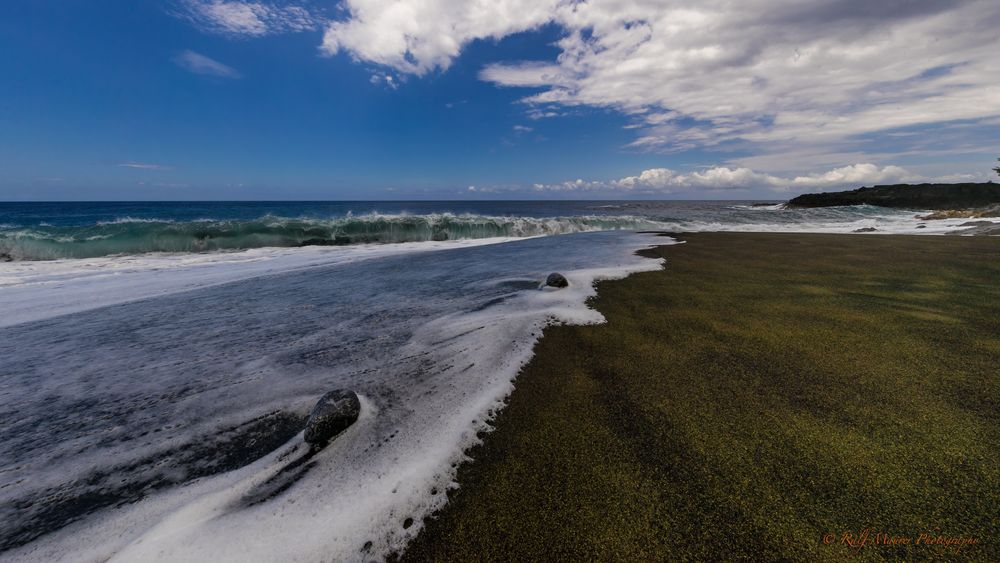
665 180
767 75
417 36
200 64
250 19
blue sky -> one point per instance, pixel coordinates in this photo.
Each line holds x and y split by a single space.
213 99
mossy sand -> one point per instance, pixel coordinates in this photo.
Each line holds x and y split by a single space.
759 393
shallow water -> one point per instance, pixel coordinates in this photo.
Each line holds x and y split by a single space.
120 422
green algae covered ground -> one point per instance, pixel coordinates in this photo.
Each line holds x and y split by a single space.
761 397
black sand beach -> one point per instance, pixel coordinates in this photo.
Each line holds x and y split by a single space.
765 396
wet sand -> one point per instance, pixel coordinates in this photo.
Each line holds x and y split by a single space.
765 396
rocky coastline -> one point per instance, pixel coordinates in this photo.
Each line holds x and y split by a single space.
982 197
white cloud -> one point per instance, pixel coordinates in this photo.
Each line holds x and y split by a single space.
525 74
417 36
143 166
250 19
538 113
386 79
523 129
766 75
665 180
200 64
855 175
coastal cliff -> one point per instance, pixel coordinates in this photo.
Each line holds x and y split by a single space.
911 196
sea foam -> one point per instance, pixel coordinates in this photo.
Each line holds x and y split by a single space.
35 290
431 341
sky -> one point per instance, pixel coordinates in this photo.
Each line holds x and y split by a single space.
492 99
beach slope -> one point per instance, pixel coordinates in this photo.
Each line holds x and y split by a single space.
760 397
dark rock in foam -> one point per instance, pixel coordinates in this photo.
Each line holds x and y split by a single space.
865 230
556 279
332 415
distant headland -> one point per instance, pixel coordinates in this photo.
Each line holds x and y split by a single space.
909 196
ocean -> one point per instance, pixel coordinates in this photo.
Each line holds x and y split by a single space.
159 359
49 231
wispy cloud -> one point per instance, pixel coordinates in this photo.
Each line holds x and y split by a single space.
162 185
249 19
143 166
200 64
764 75
523 129
387 79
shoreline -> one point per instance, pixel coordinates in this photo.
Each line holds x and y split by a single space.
759 392
432 340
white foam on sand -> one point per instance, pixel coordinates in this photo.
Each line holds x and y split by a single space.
370 489
347 510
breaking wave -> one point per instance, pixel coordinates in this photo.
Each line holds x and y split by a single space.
139 236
